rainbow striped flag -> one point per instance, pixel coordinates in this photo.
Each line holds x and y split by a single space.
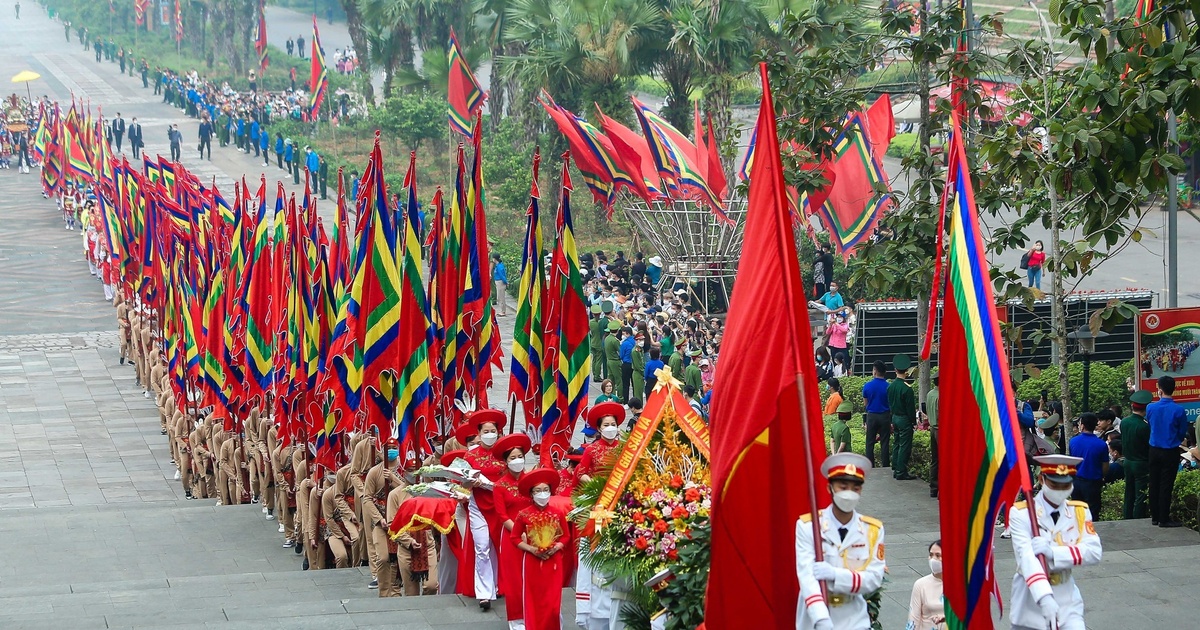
414 392
677 160
988 466
260 38
318 82
464 95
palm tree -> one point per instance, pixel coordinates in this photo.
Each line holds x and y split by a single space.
389 37
362 49
581 51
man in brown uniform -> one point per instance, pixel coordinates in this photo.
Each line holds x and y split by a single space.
285 491
123 325
202 462
147 344
183 437
380 481
228 475
315 525
349 488
337 524
407 545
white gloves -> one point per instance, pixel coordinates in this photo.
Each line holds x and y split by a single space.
824 571
1049 608
823 624
581 620
1040 545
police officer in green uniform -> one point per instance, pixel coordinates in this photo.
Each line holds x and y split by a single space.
931 413
691 374
904 414
639 365
675 362
612 356
598 325
1135 445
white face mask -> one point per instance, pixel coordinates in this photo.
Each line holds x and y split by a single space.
516 465
846 500
935 566
488 438
541 498
1057 496
610 433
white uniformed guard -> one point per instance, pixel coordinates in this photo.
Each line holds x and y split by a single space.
853 562
1046 597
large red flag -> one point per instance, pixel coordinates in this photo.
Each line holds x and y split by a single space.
766 419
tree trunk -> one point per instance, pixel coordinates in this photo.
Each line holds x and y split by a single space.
1058 310
358 37
497 86
718 103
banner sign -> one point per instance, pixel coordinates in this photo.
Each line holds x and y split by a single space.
1167 341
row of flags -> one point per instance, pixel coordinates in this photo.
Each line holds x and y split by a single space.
329 329
766 418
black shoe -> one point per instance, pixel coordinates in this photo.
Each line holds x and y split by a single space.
188 496
122 360
1171 524
904 477
485 605
304 567
933 494
299 549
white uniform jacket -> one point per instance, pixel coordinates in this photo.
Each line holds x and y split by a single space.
858 561
1074 544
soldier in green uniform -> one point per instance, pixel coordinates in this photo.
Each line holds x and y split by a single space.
612 356
691 374
1135 445
839 433
639 365
597 327
931 413
904 415
675 362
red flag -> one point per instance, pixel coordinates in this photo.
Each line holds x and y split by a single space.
766 419
881 125
716 170
635 156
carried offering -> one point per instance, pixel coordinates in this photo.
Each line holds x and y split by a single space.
439 490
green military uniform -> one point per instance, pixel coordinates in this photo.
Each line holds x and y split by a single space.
1135 445
596 342
691 374
639 371
675 362
931 412
839 433
612 357
904 414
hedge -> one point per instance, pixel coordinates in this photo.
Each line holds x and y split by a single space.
1185 501
1106 386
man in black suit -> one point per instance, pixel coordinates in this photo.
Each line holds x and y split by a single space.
135 137
118 130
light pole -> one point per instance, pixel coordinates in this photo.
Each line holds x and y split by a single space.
1086 343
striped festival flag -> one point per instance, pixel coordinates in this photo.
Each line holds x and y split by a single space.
525 371
988 466
462 90
319 80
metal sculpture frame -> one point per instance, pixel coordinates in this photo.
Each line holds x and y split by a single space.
698 248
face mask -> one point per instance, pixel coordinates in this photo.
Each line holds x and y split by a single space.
516 465
541 498
410 478
392 454
935 566
610 433
846 500
489 438
439 449
1057 496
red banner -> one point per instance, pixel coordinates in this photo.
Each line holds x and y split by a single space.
1167 344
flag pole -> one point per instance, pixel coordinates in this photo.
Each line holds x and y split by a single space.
512 414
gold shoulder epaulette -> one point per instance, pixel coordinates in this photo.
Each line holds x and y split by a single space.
807 518
1020 505
870 520
1077 503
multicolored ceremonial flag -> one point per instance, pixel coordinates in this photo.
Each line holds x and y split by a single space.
415 423
178 23
462 90
525 370
988 466
139 11
634 155
855 203
260 38
565 381
318 82
677 160
767 429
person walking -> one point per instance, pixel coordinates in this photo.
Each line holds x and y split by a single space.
312 162
264 143
135 137
1044 593
117 129
206 133
176 140
1135 445
1033 269
22 144
904 416
877 420
17 8
144 69
500 278
121 58
1168 427
323 177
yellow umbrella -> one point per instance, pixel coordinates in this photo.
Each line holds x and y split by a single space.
25 76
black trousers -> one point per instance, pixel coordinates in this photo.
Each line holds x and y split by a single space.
117 138
206 143
174 152
1088 491
1164 464
879 430
627 381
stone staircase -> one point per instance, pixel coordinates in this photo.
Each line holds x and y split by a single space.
190 565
